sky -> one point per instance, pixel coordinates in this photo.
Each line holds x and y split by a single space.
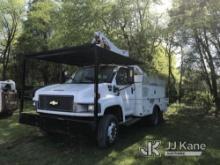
163 6
160 10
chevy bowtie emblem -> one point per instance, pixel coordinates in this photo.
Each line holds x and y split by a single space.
53 102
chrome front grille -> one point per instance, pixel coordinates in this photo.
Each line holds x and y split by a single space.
56 103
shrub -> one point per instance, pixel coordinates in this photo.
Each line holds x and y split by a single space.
199 98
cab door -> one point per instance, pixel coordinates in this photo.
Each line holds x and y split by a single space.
125 83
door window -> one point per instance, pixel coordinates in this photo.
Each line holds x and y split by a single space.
122 77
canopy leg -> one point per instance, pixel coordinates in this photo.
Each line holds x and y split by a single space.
22 86
96 88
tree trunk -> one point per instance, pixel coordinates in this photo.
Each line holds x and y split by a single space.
181 76
205 54
3 73
213 73
169 72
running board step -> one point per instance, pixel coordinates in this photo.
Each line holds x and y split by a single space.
131 120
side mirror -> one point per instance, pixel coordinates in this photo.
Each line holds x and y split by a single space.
64 76
116 90
131 75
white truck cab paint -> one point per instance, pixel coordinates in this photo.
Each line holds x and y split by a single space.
126 87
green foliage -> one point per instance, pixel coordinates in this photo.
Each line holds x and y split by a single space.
128 23
50 25
196 27
76 23
9 10
10 25
160 63
161 67
37 31
8 5
199 98
38 27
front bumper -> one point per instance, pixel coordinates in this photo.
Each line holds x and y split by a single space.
68 114
55 123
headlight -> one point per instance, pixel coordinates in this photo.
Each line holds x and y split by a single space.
90 107
74 107
35 104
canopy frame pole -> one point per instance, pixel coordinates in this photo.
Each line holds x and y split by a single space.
22 86
96 87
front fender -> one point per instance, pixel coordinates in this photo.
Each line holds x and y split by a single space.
111 101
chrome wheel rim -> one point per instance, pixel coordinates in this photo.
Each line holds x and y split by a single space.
112 132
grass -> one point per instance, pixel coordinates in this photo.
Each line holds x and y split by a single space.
21 144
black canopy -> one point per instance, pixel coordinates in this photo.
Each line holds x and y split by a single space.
83 55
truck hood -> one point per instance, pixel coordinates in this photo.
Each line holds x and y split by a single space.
66 87
83 93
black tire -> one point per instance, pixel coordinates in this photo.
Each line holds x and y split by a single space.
9 113
6 114
107 131
161 119
48 133
154 119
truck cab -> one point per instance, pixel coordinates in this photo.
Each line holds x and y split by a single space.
126 94
75 97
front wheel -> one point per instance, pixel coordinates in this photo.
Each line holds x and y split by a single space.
48 133
107 131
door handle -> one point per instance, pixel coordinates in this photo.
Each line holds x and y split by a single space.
132 90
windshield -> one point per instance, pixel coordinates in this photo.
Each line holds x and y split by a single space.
86 75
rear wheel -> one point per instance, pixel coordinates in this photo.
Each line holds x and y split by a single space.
161 119
154 119
6 113
107 131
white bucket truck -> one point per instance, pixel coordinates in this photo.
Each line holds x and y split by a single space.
124 93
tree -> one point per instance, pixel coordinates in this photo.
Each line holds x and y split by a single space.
138 28
37 31
10 15
128 23
198 21
164 65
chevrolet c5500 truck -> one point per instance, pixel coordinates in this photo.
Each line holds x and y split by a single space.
126 94
107 90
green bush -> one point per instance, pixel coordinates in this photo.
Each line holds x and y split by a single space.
200 98
205 99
